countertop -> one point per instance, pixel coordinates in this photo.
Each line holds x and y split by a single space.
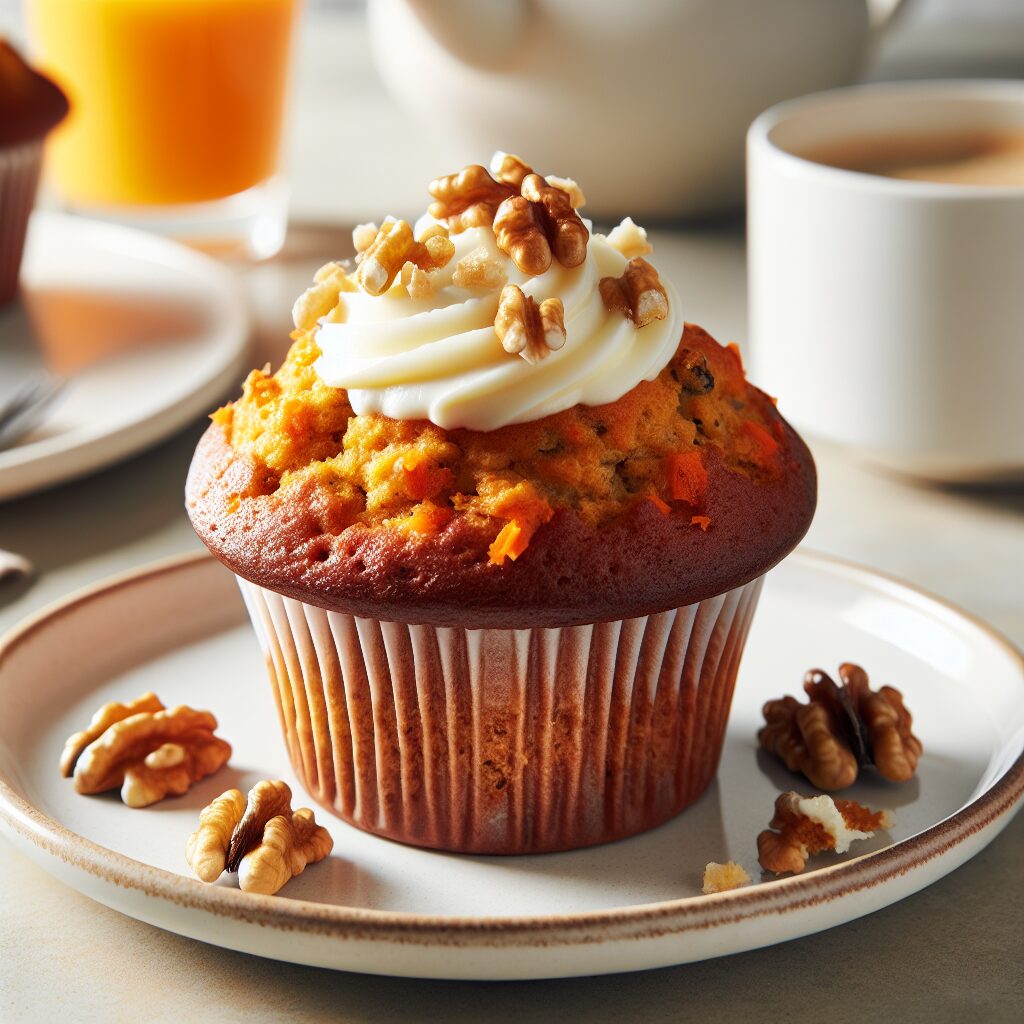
949 953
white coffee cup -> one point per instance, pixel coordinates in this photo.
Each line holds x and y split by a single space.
889 314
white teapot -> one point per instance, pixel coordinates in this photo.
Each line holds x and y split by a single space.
646 102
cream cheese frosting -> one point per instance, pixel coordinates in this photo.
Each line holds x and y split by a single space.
438 358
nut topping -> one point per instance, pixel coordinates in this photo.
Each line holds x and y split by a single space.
805 826
417 282
566 233
479 269
363 236
638 294
144 749
630 239
526 329
841 729
393 247
519 232
322 298
468 199
260 838
576 196
510 169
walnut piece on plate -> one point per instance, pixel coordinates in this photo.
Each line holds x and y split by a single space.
803 826
841 729
260 837
144 749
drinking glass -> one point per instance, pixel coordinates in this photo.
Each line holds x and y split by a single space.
176 114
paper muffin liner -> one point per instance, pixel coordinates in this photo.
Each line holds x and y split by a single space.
19 178
501 740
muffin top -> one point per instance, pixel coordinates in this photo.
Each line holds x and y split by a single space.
498 418
30 104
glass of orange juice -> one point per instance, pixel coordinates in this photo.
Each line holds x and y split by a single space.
176 114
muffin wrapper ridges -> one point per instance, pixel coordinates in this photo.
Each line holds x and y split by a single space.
500 740
19 178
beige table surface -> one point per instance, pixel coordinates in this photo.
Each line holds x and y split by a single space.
953 952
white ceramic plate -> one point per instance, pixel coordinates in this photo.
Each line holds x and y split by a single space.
178 628
150 334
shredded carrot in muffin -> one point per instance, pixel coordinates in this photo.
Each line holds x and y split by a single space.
687 478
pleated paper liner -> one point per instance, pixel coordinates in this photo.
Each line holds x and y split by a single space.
504 741
19 177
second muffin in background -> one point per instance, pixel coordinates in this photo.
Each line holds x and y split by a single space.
500 520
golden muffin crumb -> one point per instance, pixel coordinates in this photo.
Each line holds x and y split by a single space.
723 877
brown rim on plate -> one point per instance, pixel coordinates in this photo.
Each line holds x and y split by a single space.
641 921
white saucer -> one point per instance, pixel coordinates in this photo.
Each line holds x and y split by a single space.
150 334
178 628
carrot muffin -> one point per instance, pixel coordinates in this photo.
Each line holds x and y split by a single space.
30 105
500 519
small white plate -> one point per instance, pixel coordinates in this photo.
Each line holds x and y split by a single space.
178 628
149 333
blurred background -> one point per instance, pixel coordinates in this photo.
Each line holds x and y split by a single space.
355 149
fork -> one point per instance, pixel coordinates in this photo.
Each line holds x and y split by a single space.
23 410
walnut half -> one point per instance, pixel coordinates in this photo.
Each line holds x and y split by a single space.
260 837
841 729
145 750
526 329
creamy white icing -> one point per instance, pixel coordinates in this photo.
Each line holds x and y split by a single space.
439 358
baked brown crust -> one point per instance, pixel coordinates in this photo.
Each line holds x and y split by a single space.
644 561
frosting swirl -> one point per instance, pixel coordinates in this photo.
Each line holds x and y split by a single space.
440 359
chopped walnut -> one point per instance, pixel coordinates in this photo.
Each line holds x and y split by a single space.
576 196
393 247
510 169
259 837
144 749
630 239
526 329
323 299
638 294
417 282
479 269
363 236
384 257
723 877
804 826
432 231
468 199
841 729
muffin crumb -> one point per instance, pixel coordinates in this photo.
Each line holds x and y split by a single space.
723 877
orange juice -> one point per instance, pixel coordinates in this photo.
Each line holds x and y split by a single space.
172 101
